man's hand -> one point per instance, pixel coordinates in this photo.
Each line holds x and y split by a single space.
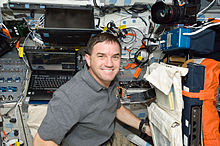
38 141
148 131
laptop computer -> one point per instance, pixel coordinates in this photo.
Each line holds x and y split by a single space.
50 69
68 27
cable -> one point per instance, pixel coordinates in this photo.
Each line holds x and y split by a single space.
206 8
41 20
129 53
23 48
95 4
8 37
199 26
15 107
6 114
26 39
149 51
203 28
136 16
127 17
16 116
133 36
4 36
98 24
23 126
139 8
130 27
4 26
148 39
137 30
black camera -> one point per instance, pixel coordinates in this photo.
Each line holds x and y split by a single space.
175 14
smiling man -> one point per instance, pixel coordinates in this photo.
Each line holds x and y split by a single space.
104 63
83 111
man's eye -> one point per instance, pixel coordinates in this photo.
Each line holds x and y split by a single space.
100 56
116 57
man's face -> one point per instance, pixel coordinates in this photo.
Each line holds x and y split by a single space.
104 62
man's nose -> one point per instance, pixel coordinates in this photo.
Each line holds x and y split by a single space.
109 62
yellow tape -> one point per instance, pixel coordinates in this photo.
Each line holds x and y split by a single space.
20 51
139 58
17 143
171 101
105 28
122 27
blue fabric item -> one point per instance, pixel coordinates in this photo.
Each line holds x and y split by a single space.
195 77
186 115
195 83
203 42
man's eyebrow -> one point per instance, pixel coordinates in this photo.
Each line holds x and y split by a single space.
117 54
100 54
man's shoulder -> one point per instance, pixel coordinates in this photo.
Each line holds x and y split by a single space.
72 89
75 82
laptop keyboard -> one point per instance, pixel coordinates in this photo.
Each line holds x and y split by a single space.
47 82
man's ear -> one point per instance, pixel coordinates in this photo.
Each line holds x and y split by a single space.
87 57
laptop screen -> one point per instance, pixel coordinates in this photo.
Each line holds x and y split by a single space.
78 17
51 61
68 27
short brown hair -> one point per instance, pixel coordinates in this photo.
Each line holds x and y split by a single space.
100 38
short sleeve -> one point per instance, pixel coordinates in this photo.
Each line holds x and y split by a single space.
60 118
118 103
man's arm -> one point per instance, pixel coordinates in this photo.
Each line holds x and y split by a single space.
127 117
38 141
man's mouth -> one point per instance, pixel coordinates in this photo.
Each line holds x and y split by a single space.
108 70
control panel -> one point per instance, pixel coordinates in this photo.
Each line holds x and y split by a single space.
12 79
15 130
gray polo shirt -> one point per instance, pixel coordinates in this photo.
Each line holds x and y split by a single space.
81 112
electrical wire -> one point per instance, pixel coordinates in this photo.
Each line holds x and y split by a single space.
96 5
21 97
136 16
197 27
41 20
127 17
129 27
28 26
146 47
139 8
16 106
203 28
6 29
4 26
129 53
133 36
4 36
23 48
22 122
137 30
206 8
